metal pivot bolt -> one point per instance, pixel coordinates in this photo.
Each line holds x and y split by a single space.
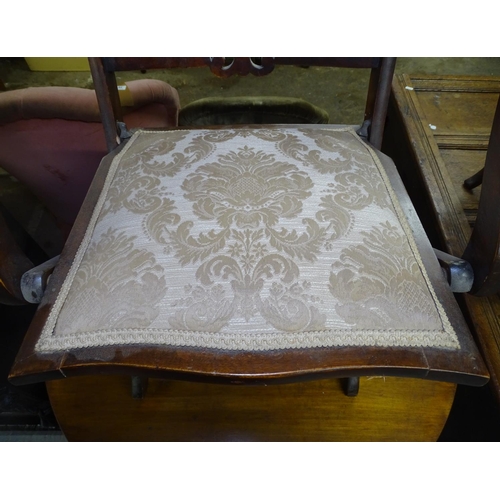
458 272
34 282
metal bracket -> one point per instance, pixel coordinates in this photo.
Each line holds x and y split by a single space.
123 132
458 272
34 282
364 130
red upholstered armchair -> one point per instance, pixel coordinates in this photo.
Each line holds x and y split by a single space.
52 140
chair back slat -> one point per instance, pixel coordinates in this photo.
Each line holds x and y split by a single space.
378 93
380 87
145 63
108 100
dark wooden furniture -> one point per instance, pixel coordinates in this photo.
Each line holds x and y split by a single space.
103 72
101 408
441 126
13 263
304 367
482 251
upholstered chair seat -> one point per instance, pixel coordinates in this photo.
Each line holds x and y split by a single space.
52 139
247 239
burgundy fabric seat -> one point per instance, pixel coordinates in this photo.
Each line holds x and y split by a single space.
52 139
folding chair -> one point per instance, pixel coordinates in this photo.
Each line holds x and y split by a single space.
250 255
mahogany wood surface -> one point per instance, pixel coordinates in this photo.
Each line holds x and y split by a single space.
97 408
434 163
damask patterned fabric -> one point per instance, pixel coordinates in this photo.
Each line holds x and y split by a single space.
247 239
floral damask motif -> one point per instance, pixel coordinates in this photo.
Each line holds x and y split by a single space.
247 187
246 287
116 284
191 248
158 221
218 136
247 193
270 134
287 310
285 307
142 195
262 234
292 146
340 220
203 309
355 191
136 185
304 246
152 151
379 283
341 156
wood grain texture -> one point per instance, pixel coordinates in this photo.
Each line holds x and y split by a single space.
435 163
97 408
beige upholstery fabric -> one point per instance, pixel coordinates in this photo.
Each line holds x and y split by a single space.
247 239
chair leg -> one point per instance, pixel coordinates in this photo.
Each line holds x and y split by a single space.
474 181
139 387
350 386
